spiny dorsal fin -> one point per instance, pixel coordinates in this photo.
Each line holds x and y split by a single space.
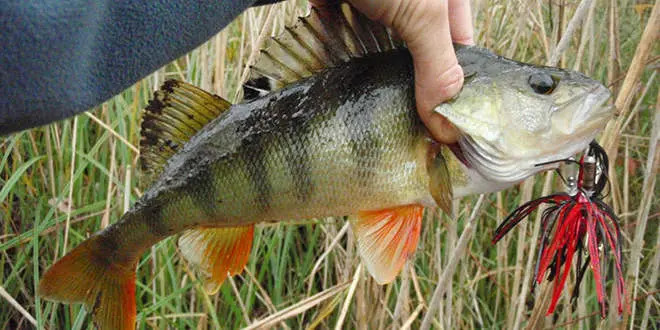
176 113
327 37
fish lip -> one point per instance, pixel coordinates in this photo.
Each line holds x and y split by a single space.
596 89
602 113
592 112
594 98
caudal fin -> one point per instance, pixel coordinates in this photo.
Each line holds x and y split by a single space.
88 275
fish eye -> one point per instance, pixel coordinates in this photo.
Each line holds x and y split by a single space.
542 83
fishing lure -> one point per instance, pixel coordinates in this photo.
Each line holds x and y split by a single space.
573 221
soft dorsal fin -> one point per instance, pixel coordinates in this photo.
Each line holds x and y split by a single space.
325 38
176 113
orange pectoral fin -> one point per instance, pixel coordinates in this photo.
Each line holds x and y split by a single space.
386 238
217 252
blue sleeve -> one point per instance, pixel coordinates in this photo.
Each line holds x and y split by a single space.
62 57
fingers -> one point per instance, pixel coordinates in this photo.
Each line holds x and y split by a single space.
441 78
460 22
428 27
322 3
434 86
438 76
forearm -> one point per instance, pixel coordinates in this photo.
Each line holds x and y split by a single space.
62 58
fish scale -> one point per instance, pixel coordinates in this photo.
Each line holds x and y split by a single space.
341 153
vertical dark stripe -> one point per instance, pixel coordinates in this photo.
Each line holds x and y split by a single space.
279 124
366 147
413 125
297 156
203 191
140 227
254 162
156 224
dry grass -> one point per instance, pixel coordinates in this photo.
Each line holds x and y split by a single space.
60 183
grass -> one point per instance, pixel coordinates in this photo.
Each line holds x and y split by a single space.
62 182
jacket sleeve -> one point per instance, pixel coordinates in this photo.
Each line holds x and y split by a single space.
60 58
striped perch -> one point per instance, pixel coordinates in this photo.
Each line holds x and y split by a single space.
337 133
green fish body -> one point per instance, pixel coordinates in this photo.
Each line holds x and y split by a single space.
313 149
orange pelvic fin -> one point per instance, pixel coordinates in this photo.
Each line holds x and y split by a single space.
217 252
87 275
386 238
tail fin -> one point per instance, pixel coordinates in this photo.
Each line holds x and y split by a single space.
87 275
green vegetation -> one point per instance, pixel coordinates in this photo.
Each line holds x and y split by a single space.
60 183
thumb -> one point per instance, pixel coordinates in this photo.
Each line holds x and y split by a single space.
438 76
424 26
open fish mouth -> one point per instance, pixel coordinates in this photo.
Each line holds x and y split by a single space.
575 123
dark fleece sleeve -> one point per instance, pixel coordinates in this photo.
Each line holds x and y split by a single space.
62 57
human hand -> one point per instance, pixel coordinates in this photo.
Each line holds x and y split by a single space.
428 27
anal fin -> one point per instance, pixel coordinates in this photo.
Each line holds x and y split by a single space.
387 238
217 252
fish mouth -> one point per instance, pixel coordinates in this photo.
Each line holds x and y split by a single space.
589 111
572 131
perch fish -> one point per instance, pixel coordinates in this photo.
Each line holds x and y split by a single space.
337 134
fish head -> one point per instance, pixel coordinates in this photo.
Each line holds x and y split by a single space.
516 118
